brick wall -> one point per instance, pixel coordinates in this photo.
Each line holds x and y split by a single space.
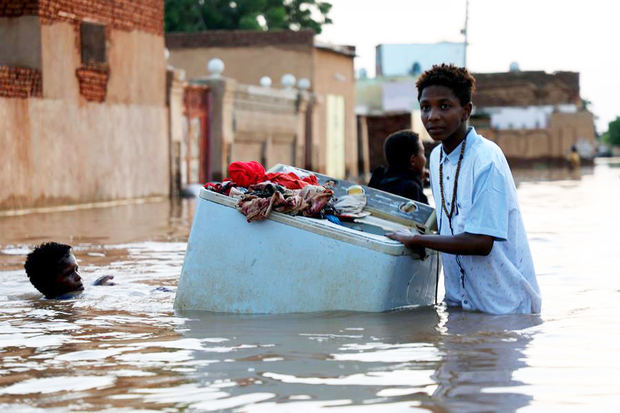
16 8
127 15
17 82
526 88
93 83
240 38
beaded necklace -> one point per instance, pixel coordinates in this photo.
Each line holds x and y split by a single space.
456 181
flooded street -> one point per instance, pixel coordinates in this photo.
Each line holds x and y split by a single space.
123 348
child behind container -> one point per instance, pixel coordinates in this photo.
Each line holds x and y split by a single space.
405 173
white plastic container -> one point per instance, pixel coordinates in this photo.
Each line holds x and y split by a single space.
288 264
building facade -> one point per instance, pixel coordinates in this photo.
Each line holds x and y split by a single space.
83 98
330 144
533 115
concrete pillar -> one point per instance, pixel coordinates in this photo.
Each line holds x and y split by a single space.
221 123
303 100
175 82
364 149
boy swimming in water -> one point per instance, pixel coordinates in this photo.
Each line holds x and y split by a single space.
486 257
53 270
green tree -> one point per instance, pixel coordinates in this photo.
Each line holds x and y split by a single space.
612 136
199 15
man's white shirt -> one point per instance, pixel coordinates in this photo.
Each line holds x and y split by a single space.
486 203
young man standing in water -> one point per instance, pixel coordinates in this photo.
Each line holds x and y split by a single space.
53 270
486 257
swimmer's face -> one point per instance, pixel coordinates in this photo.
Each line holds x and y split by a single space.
68 278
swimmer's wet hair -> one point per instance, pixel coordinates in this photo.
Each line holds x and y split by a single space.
457 79
42 265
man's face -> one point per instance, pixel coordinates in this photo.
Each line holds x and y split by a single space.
442 112
68 278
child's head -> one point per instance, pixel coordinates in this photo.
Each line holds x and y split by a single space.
404 150
53 270
444 93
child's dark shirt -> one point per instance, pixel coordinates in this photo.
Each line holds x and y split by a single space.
401 182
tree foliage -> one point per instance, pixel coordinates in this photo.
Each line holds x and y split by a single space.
199 15
612 136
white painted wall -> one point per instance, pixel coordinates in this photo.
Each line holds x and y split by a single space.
527 117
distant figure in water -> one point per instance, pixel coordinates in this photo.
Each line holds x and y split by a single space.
53 270
406 171
574 161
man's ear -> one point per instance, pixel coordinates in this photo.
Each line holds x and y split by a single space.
467 111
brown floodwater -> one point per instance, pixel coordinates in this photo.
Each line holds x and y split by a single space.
123 348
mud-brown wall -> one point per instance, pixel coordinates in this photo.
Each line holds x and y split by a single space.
64 149
565 130
58 152
246 64
137 69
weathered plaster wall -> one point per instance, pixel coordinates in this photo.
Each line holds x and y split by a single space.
137 68
82 137
59 152
245 64
136 65
60 59
267 127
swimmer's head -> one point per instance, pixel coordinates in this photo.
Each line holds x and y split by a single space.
53 270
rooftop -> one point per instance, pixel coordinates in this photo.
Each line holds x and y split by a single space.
284 39
526 88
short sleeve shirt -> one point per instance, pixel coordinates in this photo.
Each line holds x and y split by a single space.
504 281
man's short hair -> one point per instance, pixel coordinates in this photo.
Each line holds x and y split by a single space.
42 265
457 79
399 147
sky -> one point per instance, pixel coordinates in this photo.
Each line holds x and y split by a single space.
549 35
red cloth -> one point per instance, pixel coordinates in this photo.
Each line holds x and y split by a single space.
246 173
250 173
291 180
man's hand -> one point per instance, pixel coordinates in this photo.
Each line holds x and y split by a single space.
409 239
104 280
406 237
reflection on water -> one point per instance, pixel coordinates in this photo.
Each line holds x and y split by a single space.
123 348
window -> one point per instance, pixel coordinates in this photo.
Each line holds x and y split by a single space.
92 37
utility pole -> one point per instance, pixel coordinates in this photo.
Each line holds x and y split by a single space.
464 32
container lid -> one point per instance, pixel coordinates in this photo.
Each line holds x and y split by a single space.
322 227
381 204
